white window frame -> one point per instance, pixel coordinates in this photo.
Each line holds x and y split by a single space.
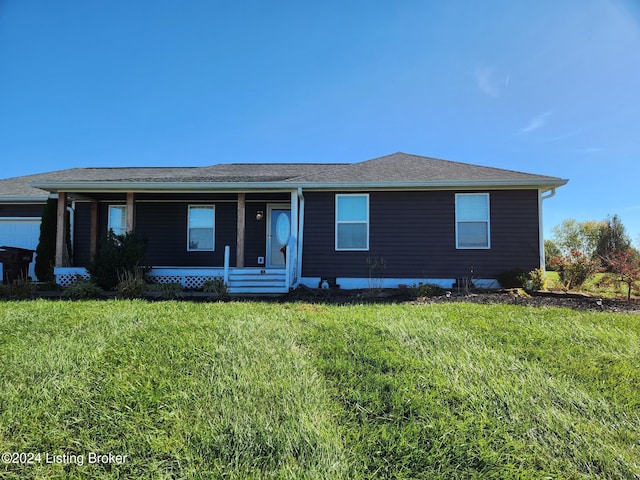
488 222
213 228
344 222
109 224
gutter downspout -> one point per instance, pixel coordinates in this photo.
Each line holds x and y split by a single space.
72 221
300 234
541 199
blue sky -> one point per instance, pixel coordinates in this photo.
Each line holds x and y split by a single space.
545 87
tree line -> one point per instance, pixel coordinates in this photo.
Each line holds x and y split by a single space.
577 250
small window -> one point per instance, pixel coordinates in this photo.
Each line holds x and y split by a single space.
201 226
352 222
472 220
118 219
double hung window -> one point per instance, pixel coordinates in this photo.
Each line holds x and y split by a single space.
118 219
352 222
201 228
472 221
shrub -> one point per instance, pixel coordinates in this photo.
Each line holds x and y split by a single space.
46 249
117 254
537 279
216 285
22 289
168 291
131 284
514 278
427 290
82 289
574 269
49 286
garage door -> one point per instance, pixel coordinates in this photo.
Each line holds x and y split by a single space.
21 233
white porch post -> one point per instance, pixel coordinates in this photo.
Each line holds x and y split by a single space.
225 275
299 252
292 255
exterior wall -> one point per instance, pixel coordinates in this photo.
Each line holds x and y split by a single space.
164 221
81 234
21 210
414 232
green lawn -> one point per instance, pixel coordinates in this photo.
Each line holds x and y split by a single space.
264 390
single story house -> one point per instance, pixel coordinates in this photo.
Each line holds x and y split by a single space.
265 228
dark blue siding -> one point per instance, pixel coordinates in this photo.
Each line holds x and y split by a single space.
415 234
25 210
164 222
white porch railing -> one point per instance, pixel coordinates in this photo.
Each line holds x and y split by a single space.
225 276
238 280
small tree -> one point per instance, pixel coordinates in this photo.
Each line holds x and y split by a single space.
625 265
551 250
572 235
574 269
612 239
118 255
46 249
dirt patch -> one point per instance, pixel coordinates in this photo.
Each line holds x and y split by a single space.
574 301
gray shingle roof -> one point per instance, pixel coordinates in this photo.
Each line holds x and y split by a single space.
402 167
395 169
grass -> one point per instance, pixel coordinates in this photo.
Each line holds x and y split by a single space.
596 285
260 390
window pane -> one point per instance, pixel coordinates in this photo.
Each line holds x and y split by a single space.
118 219
201 217
473 207
352 208
200 239
473 234
352 235
201 227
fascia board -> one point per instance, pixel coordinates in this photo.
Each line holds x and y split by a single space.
271 186
42 199
162 186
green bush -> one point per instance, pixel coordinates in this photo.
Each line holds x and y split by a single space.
427 290
168 291
82 289
131 284
117 254
514 278
216 285
537 279
22 289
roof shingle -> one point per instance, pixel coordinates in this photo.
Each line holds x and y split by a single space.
397 168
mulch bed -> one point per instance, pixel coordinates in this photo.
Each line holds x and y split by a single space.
575 301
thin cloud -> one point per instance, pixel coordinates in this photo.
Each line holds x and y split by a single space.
486 81
591 150
536 122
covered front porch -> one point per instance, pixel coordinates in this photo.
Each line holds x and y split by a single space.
264 259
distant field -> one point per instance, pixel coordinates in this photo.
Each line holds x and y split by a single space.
263 390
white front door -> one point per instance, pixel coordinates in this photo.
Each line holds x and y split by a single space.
278 233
